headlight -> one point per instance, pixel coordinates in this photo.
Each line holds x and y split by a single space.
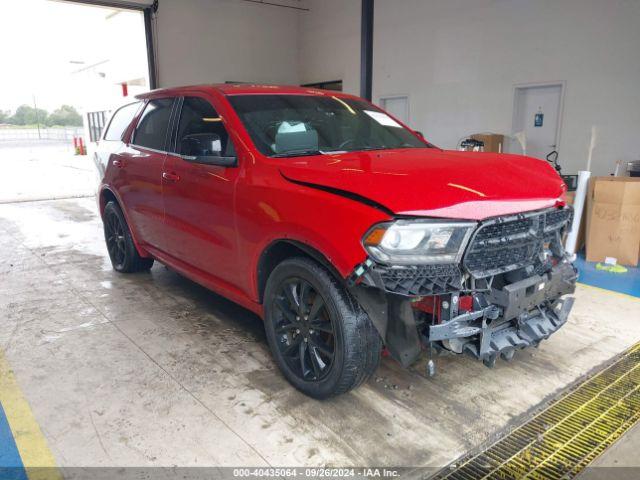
412 242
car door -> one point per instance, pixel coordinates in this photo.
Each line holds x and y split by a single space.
199 198
140 179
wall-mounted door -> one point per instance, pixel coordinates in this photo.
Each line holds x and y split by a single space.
398 106
537 112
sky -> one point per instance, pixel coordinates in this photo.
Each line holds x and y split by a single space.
48 48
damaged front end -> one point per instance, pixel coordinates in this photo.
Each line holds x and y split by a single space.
506 292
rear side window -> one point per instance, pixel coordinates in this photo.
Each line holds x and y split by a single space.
120 121
151 131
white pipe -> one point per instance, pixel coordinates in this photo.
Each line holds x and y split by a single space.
578 210
521 137
592 146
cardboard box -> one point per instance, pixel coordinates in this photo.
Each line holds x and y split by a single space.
613 220
581 240
492 142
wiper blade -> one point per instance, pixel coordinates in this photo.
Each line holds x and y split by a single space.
386 147
298 153
368 149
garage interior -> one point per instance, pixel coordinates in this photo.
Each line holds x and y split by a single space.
101 372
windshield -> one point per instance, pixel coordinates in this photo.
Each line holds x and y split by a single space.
294 125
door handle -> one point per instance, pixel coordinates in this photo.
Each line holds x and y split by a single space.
118 163
171 177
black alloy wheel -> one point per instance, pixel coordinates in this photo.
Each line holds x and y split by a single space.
114 236
320 337
304 330
122 250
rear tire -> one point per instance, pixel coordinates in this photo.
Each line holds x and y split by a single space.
321 339
122 251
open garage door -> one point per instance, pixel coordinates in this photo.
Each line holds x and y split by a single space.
147 8
72 64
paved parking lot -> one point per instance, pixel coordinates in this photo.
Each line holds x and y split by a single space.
151 369
44 169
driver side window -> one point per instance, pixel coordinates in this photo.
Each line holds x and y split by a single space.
201 131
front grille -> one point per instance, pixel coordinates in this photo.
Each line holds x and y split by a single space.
556 219
499 230
506 243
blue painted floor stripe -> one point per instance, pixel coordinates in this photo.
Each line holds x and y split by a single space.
11 467
628 283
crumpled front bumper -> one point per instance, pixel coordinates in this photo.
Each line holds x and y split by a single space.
502 320
517 316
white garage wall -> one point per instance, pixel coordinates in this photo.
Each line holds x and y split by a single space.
213 41
458 61
330 43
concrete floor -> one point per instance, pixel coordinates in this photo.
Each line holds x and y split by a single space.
620 461
151 369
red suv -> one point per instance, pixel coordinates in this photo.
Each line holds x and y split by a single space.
343 229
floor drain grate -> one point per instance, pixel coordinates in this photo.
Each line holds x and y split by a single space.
560 441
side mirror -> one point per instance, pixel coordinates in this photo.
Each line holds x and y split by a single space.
205 148
419 133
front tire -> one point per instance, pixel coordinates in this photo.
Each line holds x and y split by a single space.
321 339
122 251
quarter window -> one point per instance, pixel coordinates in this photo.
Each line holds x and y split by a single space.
151 131
120 121
201 131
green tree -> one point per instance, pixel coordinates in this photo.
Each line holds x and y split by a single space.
27 115
66 115
4 116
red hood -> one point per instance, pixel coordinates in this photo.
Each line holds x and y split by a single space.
435 183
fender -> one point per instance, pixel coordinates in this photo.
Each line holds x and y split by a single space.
101 197
260 281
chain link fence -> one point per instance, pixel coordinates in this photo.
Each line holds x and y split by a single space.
56 134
